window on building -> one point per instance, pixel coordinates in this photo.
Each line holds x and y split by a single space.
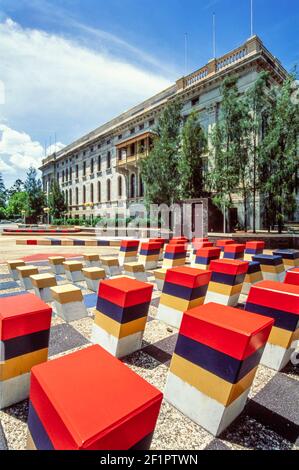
70 197
57 176
195 101
99 146
99 191
84 194
141 126
141 187
66 199
108 142
77 196
66 174
91 193
99 163
120 136
108 190
151 122
133 180
71 174
108 159
84 168
91 166
120 186
91 149
132 130
63 176
77 171
84 153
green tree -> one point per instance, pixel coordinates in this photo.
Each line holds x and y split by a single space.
17 187
227 143
3 193
279 152
190 166
36 196
160 169
56 201
17 203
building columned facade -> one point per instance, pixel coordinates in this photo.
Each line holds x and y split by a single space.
101 169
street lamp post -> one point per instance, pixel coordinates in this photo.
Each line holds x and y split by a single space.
23 212
47 211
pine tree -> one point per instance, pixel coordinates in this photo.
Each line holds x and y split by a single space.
160 169
3 192
16 187
56 201
190 166
36 196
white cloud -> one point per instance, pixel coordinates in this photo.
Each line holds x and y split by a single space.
18 152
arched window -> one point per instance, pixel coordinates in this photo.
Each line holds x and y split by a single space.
66 174
99 163
84 194
133 179
120 186
91 166
84 168
141 187
109 160
63 176
91 193
70 197
66 199
99 191
77 196
108 190
71 174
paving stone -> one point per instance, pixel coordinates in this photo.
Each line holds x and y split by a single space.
90 300
3 442
277 405
216 444
8 285
64 337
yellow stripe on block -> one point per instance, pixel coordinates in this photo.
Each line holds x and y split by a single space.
283 338
205 267
210 384
224 288
119 330
272 269
170 263
22 364
180 304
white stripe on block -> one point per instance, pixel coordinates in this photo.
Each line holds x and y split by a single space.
169 315
70 311
230 300
275 357
118 347
14 390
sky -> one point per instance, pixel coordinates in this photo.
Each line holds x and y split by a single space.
67 66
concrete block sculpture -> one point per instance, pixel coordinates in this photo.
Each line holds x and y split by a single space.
24 275
89 400
197 245
42 284
271 266
68 302
253 275
149 255
92 260
292 276
183 289
56 264
12 267
25 322
135 270
214 364
204 256
226 281
121 315
111 266
290 258
93 276
128 251
280 302
234 251
253 248
174 255
73 270
222 243
160 277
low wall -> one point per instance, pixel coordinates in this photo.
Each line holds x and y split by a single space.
272 240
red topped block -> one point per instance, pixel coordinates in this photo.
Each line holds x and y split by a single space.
198 245
22 315
90 400
199 240
234 248
177 239
276 295
226 329
255 245
125 291
188 277
179 248
229 266
225 242
146 246
292 276
162 241
208 252
129 243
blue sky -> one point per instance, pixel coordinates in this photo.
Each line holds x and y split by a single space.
69 65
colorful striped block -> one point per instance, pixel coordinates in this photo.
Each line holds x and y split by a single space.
226 281
222 243
12 267
281 303
121 315
111 266
128 251
234 251
162 242
197 246
253 275
44 242
24 275
253 248
292 276
149 254
41 285
89 400
214 364
68 302
271 266
183 289
204 256
160 277
56 264
73 271
176 240
135 270
67 242
290 258
25 322
91 243
92 260
174 255
93 277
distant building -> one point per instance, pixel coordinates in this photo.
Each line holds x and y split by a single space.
101 169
